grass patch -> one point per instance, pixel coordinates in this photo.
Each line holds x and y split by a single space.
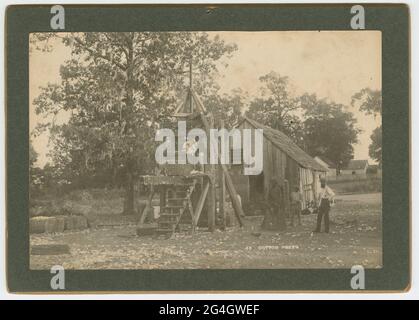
367 185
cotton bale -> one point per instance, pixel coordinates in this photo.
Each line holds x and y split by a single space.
55 224
50 249
37 224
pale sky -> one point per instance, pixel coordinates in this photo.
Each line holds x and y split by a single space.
331 64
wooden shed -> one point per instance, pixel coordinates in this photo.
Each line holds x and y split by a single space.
282 160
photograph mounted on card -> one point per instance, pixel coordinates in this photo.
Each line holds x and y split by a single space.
216 152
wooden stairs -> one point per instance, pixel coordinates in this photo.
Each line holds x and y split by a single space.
178 203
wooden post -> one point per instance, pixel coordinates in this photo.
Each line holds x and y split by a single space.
162 197
190 88
148 206
222 193
287 204
200 203
238 211
233 196
211 192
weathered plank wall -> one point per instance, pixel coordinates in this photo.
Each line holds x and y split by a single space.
278 165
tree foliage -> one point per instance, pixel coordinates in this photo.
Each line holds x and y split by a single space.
375 148
275 106
33 155
329 130
226 107
117 89
369 101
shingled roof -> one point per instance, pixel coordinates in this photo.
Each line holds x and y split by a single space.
283 142
356 165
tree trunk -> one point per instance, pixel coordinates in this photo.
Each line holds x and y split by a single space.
281 222
129 202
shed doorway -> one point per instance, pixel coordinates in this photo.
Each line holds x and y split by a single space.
256 187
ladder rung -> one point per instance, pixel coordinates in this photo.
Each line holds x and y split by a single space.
169 215
170 223
173 207
167 223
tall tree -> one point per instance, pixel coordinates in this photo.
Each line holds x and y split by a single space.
226 107
117 89
276 107
33 155
370 102
329 130
375 148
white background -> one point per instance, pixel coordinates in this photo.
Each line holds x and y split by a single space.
412 294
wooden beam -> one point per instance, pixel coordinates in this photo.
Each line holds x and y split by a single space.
162 196
222 193
211 198
233 195
200 203
181 104
191 211
198 102
230 186
147 206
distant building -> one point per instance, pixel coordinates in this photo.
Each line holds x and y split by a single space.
331 169
374 170
355 167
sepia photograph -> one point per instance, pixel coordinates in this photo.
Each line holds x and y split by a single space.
205 150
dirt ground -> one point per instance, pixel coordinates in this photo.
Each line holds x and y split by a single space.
355 238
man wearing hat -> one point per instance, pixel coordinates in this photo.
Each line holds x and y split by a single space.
326 197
